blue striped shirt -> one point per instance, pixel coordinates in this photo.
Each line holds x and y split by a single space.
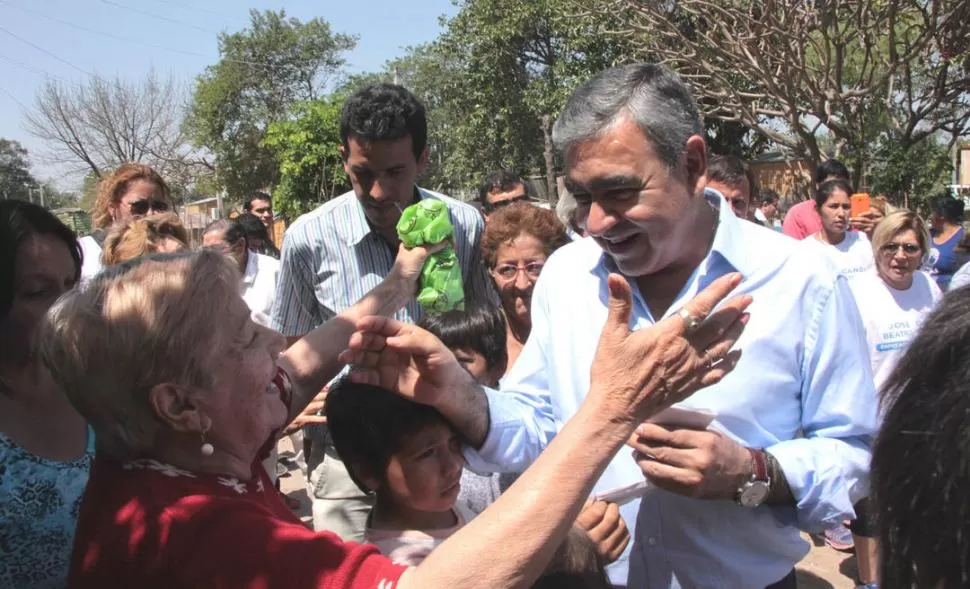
331 259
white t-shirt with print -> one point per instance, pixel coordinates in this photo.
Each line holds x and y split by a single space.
892 317
853 255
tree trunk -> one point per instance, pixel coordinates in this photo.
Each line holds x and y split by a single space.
550 153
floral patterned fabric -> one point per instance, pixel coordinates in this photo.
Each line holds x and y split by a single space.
39 503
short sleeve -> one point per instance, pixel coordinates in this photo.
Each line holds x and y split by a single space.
235 543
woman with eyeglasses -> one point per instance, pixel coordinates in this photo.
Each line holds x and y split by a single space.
517 241
849 249
131 191
893 302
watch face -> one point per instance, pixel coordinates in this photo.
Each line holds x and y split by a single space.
753 494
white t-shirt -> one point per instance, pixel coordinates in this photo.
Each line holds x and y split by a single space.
258 287
91 258
853 255
892 317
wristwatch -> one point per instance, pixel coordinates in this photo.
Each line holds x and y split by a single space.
755 491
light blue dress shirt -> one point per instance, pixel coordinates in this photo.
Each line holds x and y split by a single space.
802 390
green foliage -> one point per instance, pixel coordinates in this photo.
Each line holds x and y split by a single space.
306 147
909 175
262 72
15 177
489 79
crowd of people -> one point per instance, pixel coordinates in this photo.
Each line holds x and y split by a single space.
768 374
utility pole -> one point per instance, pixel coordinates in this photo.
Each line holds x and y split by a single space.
41 190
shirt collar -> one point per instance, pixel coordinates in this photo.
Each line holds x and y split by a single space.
728 243
252 266
359 229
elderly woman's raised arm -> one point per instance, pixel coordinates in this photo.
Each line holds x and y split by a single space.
311 362
634 376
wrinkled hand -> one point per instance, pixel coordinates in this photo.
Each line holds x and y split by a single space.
408 264
309 414
640 373
602 522
403 358
866 222
702 464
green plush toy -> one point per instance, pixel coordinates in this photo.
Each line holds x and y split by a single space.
427 223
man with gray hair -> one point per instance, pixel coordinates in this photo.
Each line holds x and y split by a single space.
715 492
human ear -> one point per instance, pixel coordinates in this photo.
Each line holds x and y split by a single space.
177 408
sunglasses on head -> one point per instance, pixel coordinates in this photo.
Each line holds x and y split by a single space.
142 206
910 249
492 206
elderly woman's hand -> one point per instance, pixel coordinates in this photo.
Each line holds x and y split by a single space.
643 372
403 358
408 264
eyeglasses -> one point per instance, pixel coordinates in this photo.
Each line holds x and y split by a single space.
493 206
142 206
509 272
910 249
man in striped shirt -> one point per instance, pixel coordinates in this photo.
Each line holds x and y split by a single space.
335 254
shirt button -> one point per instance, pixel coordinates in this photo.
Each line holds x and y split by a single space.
652 541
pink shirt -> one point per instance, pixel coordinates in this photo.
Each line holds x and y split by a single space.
802 220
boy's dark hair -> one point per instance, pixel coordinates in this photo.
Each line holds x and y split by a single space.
368 424
576 565
248 203
500 180
921 456
384 112
479 328
732 170
831 169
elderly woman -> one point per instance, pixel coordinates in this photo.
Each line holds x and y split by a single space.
131 191
517 241
185 400
142 236
893 303
45 447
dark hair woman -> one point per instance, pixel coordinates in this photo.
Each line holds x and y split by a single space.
44 447
850 250
946 220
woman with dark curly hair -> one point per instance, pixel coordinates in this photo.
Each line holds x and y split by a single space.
131 191
518 240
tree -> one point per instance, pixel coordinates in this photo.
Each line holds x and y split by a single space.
16 180
513 65
96 126
796 70
262 72
307 148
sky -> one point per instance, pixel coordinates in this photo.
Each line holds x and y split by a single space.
69 39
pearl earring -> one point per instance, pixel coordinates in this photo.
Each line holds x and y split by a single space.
207 448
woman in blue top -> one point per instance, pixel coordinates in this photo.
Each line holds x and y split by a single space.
946 221
45 450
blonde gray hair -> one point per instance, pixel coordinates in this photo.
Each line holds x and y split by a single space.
134 327
897 222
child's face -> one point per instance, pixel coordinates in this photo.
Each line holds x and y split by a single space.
424 474
476 365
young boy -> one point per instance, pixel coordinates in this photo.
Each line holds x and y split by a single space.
477 337
409 457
